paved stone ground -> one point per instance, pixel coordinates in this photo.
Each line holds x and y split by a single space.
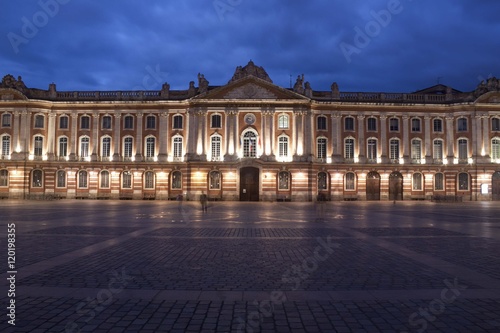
132 266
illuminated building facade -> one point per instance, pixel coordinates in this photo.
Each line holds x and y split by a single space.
250 140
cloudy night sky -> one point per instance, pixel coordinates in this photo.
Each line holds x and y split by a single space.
378 45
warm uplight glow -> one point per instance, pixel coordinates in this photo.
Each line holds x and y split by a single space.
379 160
483 152
422 161
470 160
328 160
31 157
401 161
445 161
455 161
356 159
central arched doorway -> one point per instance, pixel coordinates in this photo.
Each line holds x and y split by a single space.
249 184
396 186
373 186
495 186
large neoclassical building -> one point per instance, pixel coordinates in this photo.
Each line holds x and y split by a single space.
250 140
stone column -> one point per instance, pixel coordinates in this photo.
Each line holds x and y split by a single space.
267 130
406 139
200 134
73 140
361 139
116 138
16 145
163 137
337 155
486 138
450 138
230 134
383 138
307 135
298 134
428 143
139 142
51 136
95 136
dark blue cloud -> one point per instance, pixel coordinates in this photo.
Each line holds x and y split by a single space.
82 45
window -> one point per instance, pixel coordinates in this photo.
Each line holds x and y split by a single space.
463 181
250 144
38 151
63 146
150 147
85 122
417 182
283 146
37 178
6 120
106 147
63 122
82 179
84 146
371 151
215 144
438 182
321 123
39 121
149 180
416 150
350 181
463 153
150 122
321 147
5 145
106 122
462 124
371 124
128 143
438 150
415 125
394 150
128 122
349 124
126 179
283 180
216 121
349 149
177 124
214 180
322 181
495 148
104 179
282 121
4 177
61 178
176 180
178 147
438 125
495 124
394 124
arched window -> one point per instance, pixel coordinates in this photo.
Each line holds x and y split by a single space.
104 179
83 179
350 181
37 178
5 146
322 181
438 151
439 182
495 149
283 180
283 121
176 180
4 178
417 182
249 144
214 178
394 150
463 181
321 147
321 123
61 178
177 123
149 180
216 121
127 179
215 147
463 151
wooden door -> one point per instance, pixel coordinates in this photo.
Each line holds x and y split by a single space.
373 186
249 184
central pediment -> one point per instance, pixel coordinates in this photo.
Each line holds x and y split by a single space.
250 87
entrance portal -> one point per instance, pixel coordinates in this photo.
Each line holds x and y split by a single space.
373 186
249 184
396 186
495 186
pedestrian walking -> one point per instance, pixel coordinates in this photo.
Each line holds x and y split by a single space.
179 200
203 200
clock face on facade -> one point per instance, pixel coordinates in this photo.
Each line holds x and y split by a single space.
249 119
